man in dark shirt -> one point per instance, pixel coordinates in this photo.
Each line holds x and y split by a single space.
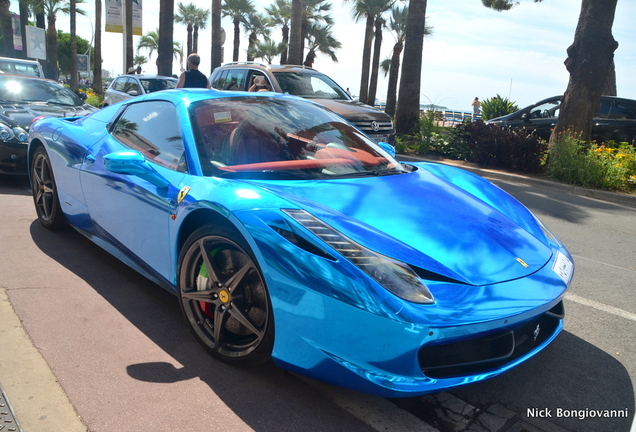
193 78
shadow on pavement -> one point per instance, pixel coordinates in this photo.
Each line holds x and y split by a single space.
266 398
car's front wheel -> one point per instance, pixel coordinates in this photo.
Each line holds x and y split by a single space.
224 298
45 197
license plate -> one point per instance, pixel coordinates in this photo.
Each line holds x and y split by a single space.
381 138
563 267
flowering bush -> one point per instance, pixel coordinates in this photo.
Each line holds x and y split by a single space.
591 165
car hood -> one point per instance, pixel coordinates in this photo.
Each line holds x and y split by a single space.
24 113
425 220
352 110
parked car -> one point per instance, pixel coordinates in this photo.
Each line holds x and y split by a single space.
22 99
14 66
260 213
307 83
128 86
286 233
615 119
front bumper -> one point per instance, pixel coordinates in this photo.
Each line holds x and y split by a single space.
13 158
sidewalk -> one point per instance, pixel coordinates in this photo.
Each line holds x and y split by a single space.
38 401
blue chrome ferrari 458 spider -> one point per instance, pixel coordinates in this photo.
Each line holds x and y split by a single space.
286 233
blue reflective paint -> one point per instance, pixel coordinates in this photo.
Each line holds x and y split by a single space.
332 321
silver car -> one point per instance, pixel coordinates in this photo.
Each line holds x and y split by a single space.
128 86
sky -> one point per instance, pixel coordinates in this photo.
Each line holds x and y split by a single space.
473 51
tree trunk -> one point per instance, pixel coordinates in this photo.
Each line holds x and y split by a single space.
375 64
189 39
251 44
24 21
7 30
366 60
165 51
97 61
217 35
610 84
589 59
52 71
195 39
283 55
237 40
296 36
309 60
72 13
407 115
129 37
391 94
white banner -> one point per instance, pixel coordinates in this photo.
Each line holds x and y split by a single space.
115 16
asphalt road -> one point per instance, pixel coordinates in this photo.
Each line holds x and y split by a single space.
123 356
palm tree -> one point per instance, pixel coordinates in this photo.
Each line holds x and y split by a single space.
165 49
5 25
280 15
255 24
150 42
397 24
296 35
128 35
140 60
268 49
369 10
187 14
72 12
315 11
216 54
320 38
237 10
97 62
200 22
51 8
407 114
375 62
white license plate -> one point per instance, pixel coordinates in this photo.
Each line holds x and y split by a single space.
563 267
381 138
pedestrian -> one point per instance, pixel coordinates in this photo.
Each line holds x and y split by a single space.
476 107
192 77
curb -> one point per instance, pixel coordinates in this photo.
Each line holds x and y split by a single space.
614 197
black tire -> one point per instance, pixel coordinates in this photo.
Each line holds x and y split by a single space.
224 298
45 197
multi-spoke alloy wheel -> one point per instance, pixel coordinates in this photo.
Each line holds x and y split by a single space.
224 298
47 203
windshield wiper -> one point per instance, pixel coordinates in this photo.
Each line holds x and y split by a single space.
374 173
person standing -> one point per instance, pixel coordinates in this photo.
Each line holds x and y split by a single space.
476 107
192 77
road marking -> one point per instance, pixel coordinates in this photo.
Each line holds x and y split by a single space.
602 263
600 306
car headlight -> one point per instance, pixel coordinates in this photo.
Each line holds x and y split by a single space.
395 276
8 133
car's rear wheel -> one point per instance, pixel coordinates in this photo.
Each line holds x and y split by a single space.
45 196
224 298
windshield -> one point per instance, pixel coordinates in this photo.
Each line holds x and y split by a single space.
281 138
310 85
21 90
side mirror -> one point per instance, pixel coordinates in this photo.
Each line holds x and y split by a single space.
131 162
525 117
133 93
387 148
83 96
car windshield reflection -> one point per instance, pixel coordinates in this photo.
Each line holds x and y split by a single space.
17 90
271 138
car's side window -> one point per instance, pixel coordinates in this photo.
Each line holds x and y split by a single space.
546 110
235 79
624 112
119 84
152 128
220 81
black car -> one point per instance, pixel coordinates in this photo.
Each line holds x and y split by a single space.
614 121
22 99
